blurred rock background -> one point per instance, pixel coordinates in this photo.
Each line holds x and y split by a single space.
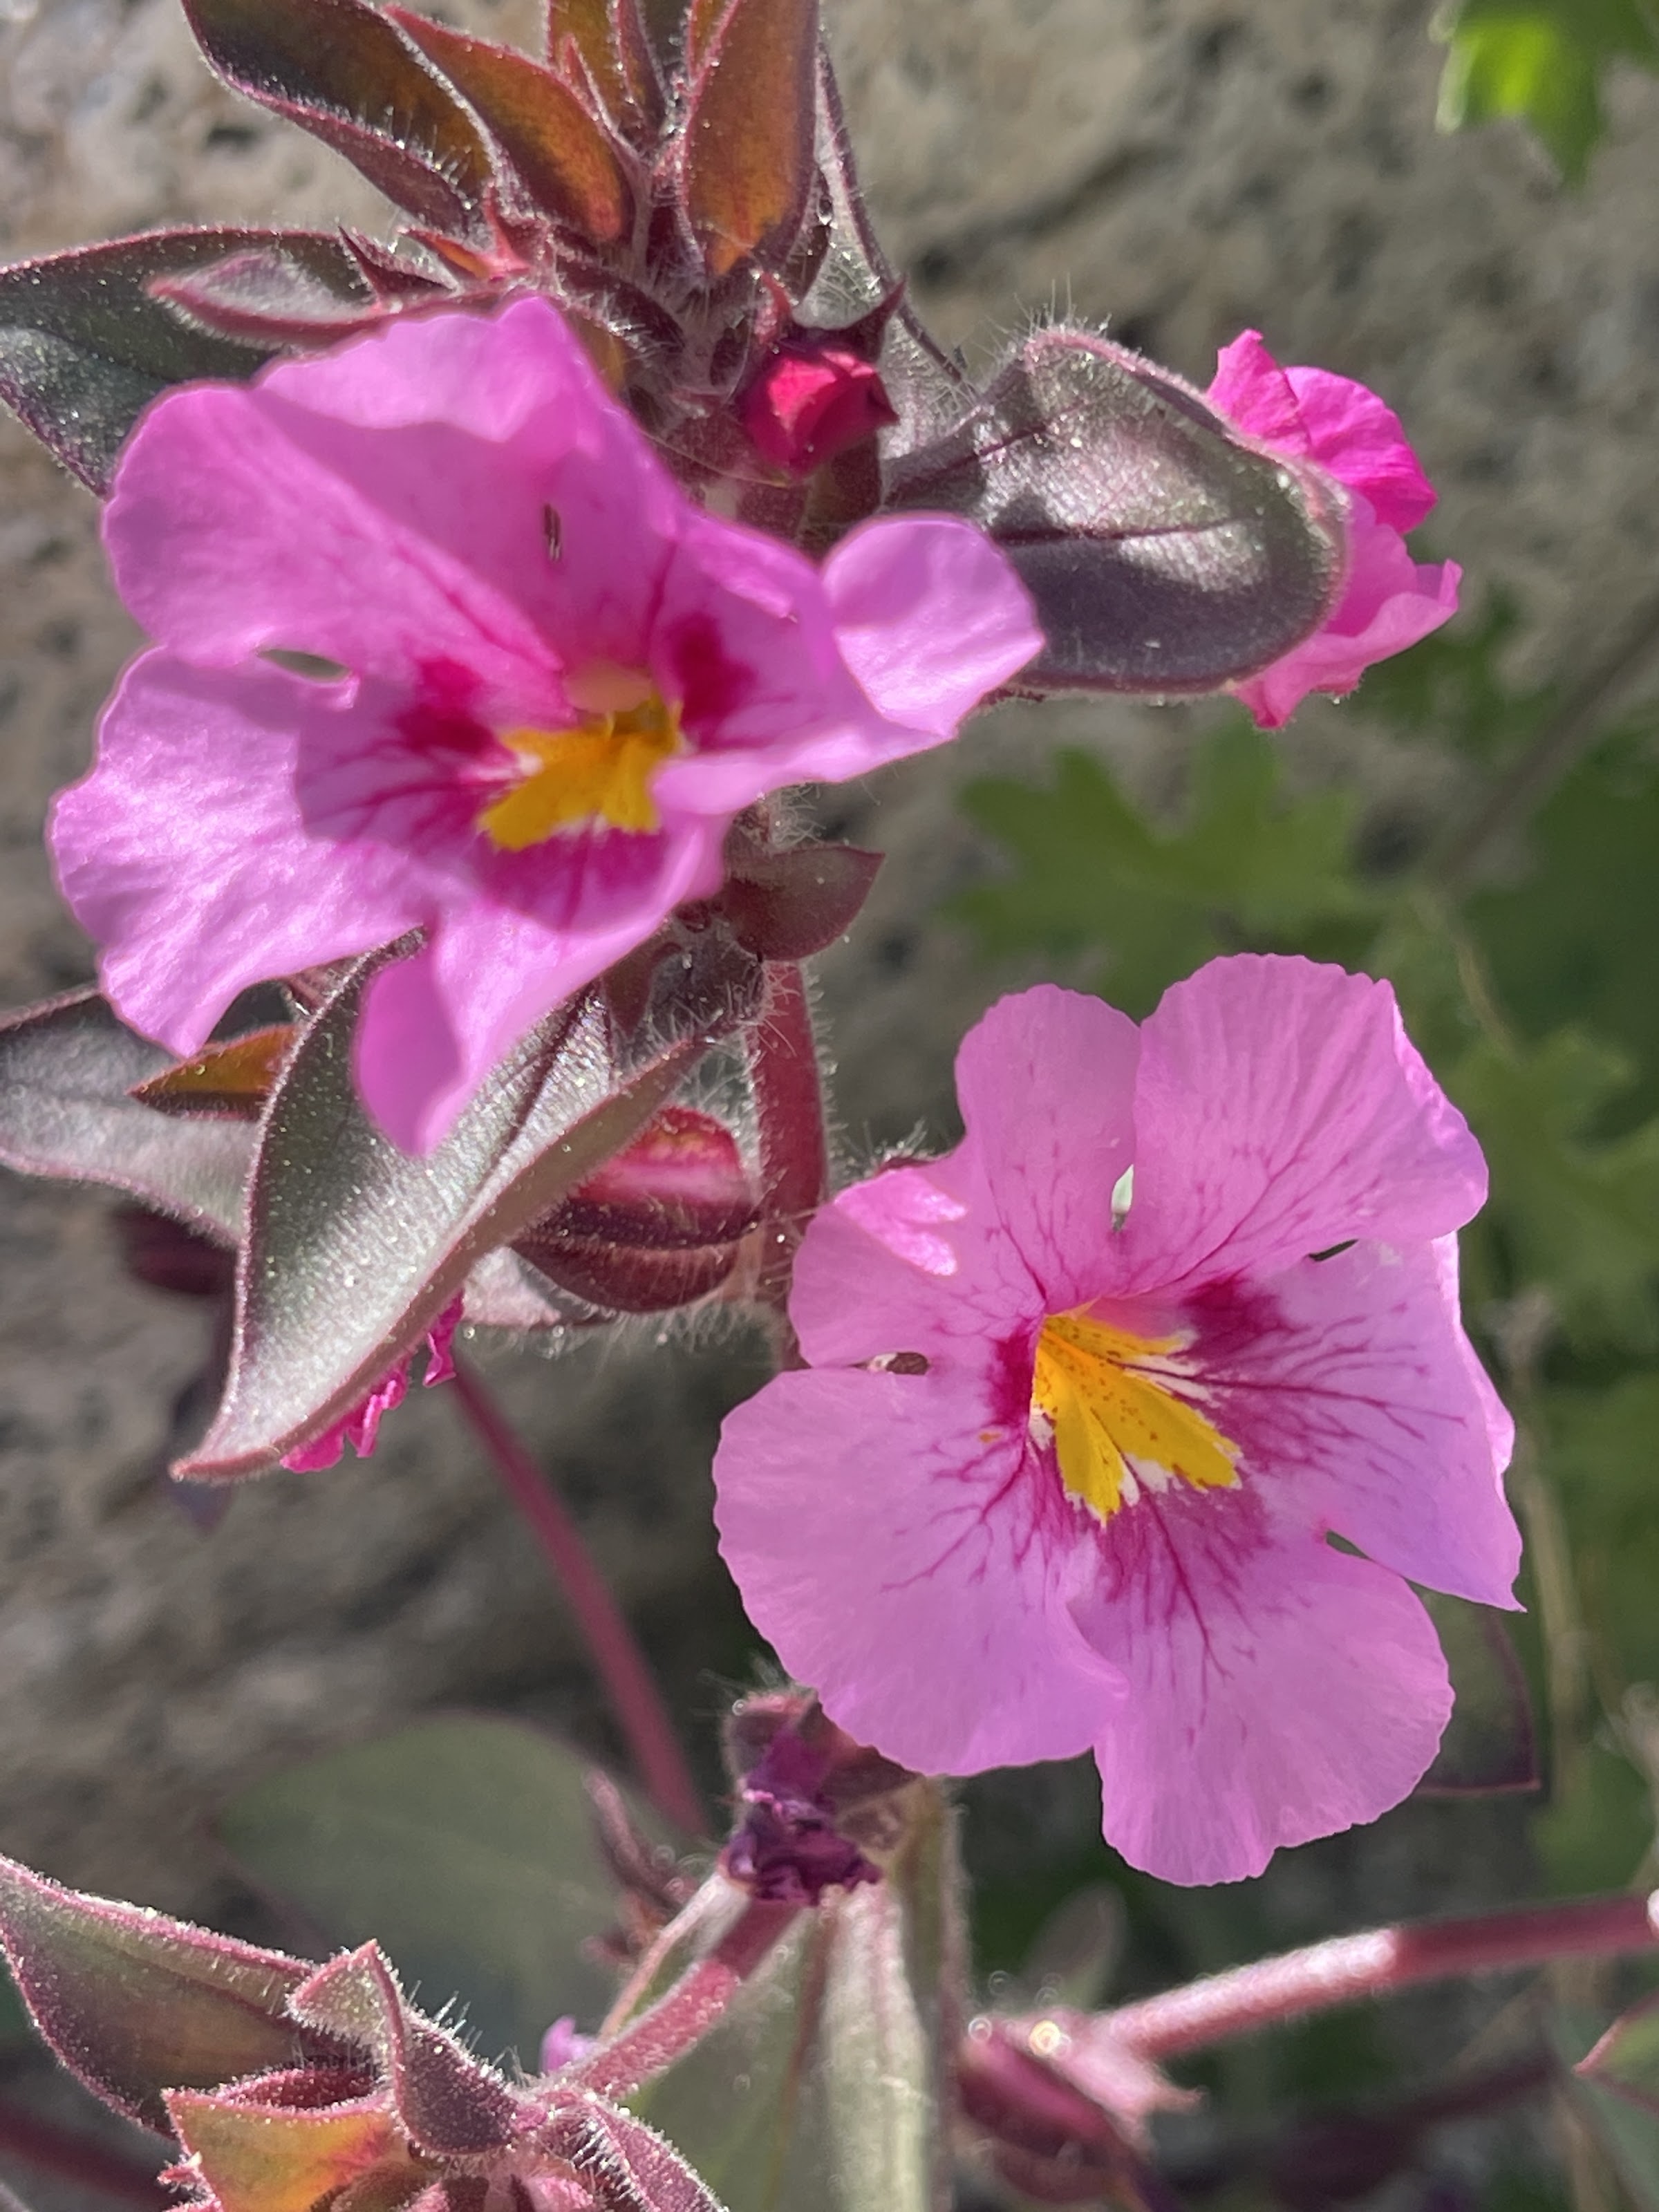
1178 169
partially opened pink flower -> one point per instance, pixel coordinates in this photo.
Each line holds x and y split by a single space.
361 1427
561 681
1389 601
1091 1397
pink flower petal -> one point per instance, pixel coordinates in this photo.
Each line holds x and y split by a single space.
1251 390
435 1025
1363 445
1279 1689
911 1261
888 1549
418 470
1047 1084
1281 1109
929 616
185 855
1357 1401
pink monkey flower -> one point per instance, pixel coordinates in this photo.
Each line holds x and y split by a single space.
440 646
1389 601
1090 1397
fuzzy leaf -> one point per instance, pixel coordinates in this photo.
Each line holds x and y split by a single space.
342 71
467 1845
788 905
271 2158
445 2102
627 2165
614 42
135 2003
1250 866
1164 555
1544 61
84 347
263 299
230 1080
748 156
67 1073
817 2088
570 165
355 1248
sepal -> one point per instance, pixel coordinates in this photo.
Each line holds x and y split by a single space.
748 170
1165 554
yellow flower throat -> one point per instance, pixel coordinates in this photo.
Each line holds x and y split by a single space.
1091 1388
599 772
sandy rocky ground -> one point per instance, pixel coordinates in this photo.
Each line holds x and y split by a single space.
1179 167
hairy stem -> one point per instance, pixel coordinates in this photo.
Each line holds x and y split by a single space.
41 2144
1350 1967
617 1660
684 2014
794 1153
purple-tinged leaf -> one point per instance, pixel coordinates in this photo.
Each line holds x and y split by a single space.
615 46
447 2102
342 71
570 165
628 2166
257 2157
262 298
231 1081
1627 2059
1490 1747
67 1073
748 167
84 347
135 2003
355 1248
1164 557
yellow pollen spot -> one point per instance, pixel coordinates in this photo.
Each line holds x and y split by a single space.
1092 1388
600 771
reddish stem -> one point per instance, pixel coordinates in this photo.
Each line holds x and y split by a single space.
75 2158
1350 1967
685 2014
794 1153
616 1657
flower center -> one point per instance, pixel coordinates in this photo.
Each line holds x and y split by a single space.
1092 1394
600 771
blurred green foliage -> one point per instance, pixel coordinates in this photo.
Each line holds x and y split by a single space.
1534 997
1544 61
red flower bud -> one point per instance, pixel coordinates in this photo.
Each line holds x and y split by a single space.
812 402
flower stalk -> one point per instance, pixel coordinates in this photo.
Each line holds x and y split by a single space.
617 1659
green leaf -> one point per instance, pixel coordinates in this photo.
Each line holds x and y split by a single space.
1578 1216
1572 941
1249 868
67 1071
818 2090
84 348
1626 2131
1544 61
467 1848
354 1248
1627 2059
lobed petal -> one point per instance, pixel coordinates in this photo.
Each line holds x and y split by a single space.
1355 1396
1254 393
1047 1084
930 617
891 1546
1277 1689
435 1025
186 854
425 470
1364 444
1281 1109
914 1259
